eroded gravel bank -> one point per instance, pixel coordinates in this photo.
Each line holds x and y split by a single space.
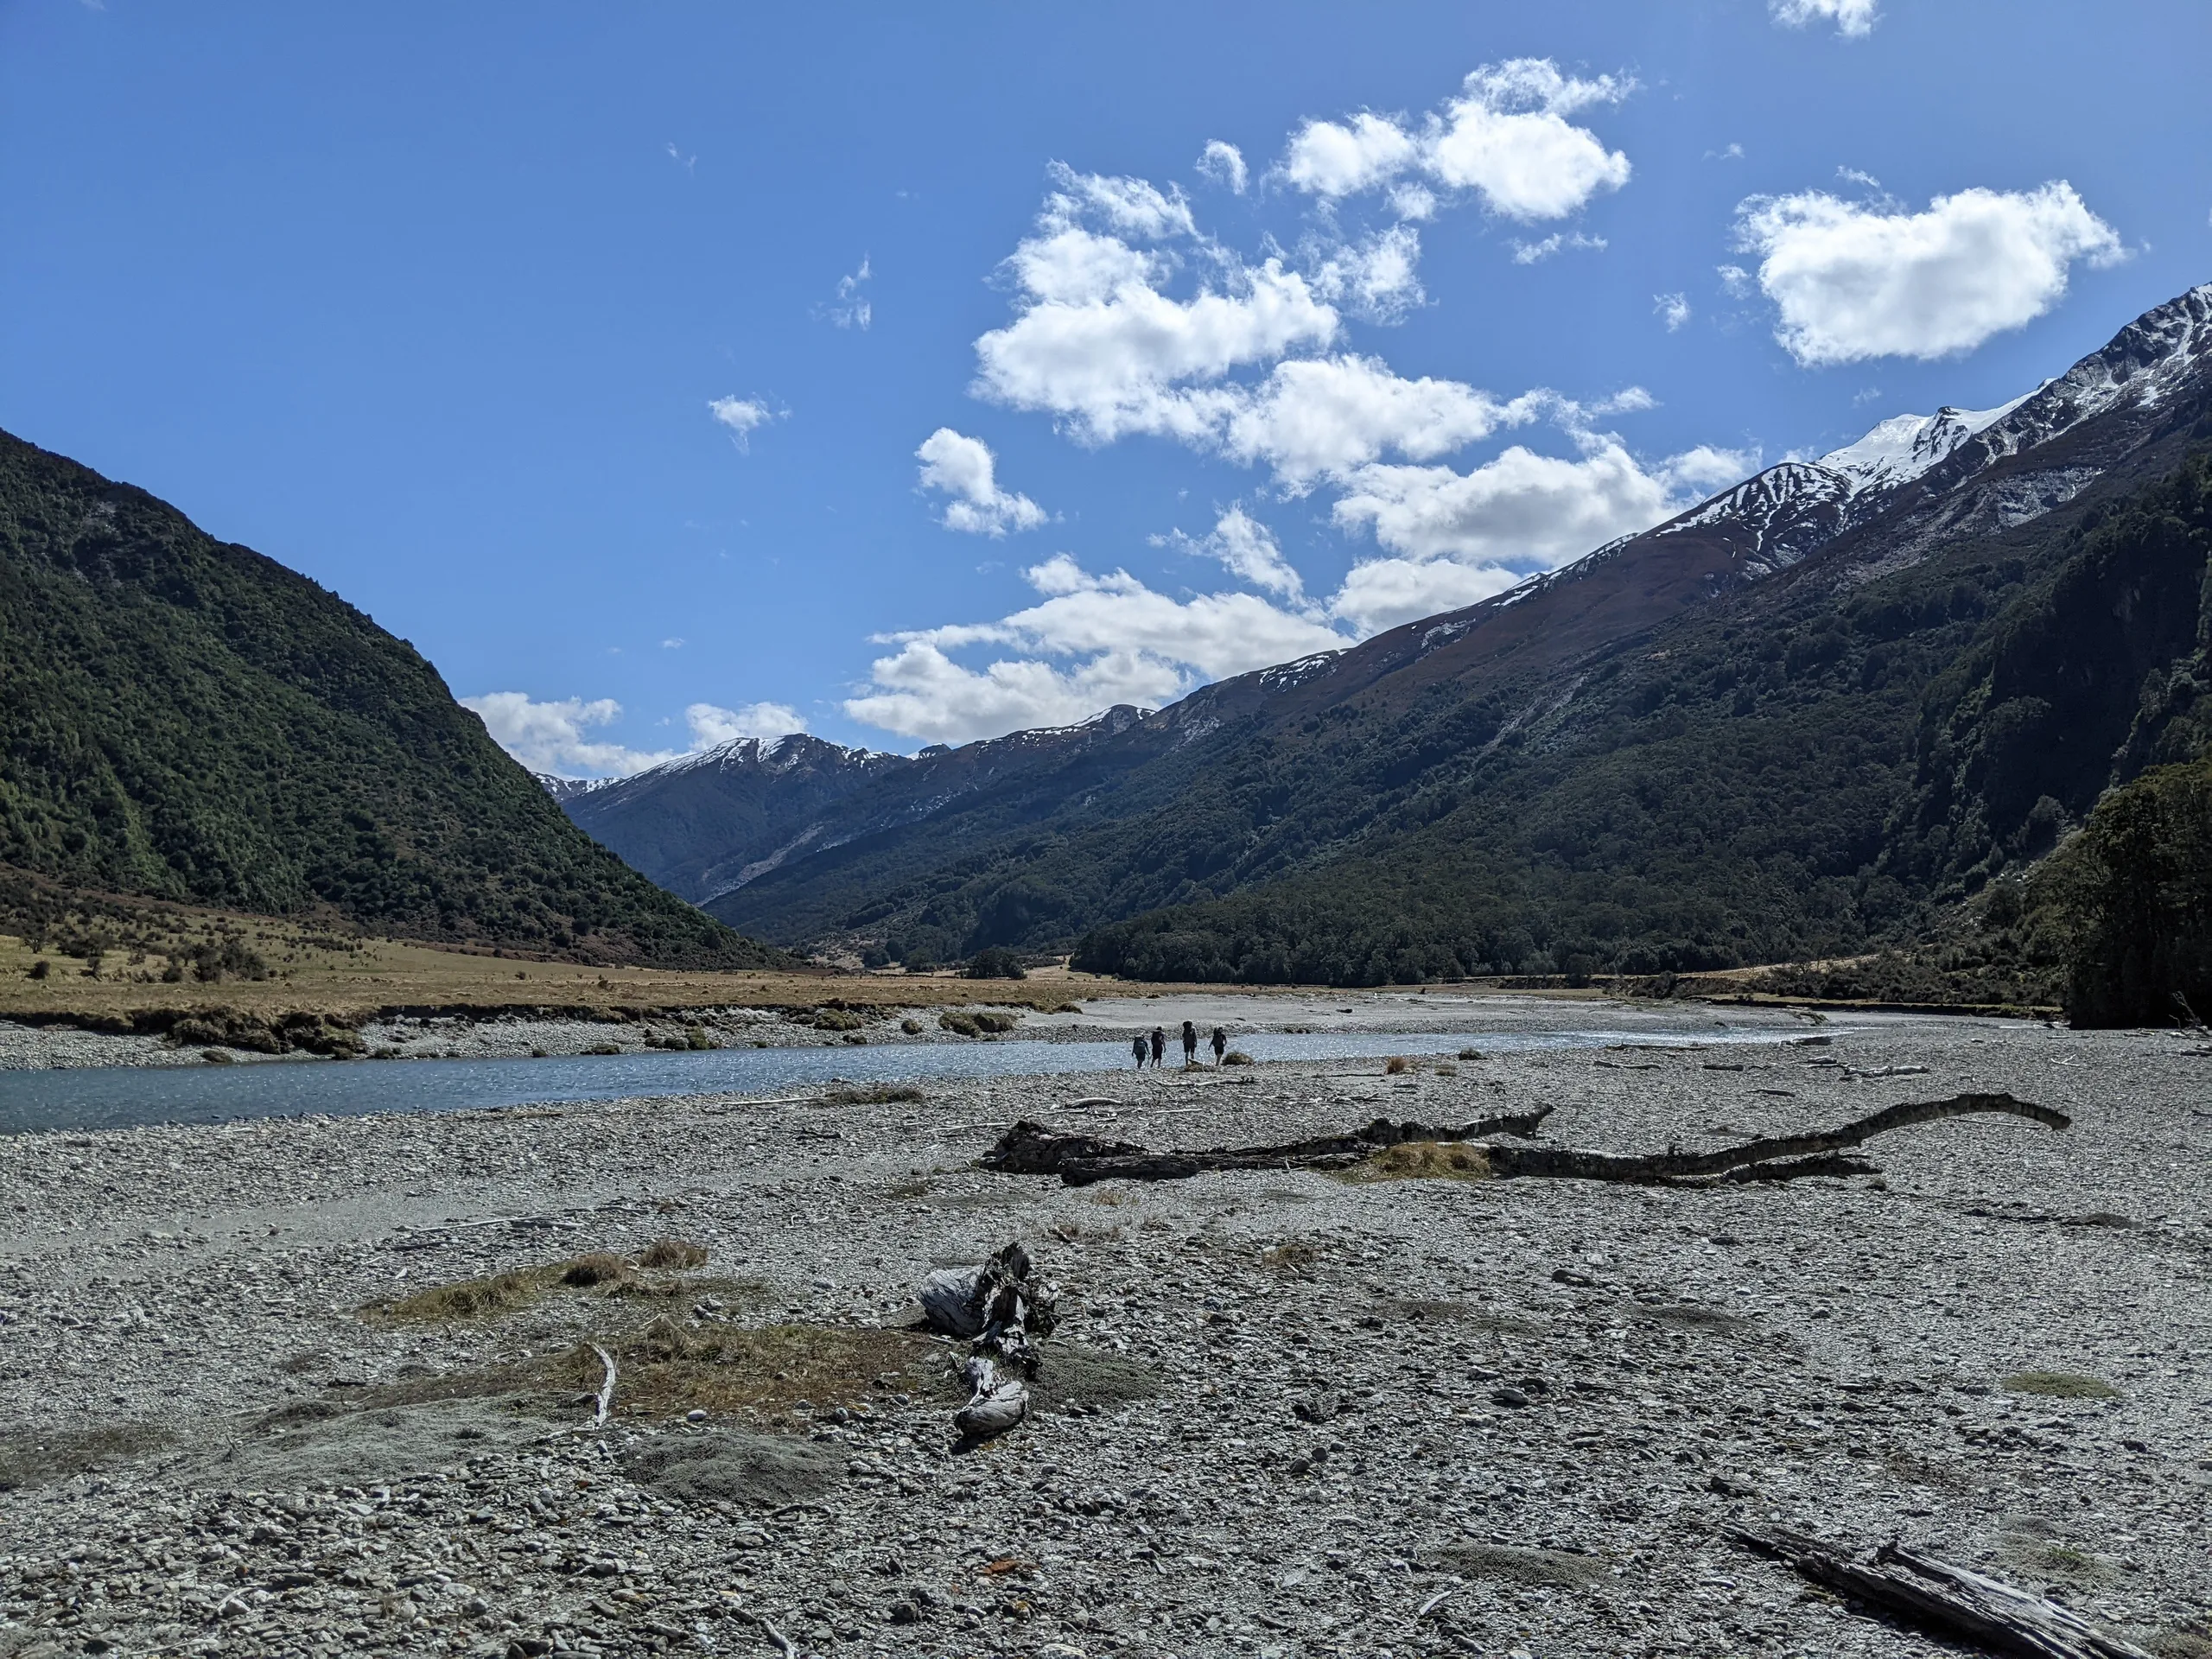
1293 1423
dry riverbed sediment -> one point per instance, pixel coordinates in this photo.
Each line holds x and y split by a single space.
521 1033
244 1409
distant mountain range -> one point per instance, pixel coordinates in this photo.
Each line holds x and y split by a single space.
1783 723
186 719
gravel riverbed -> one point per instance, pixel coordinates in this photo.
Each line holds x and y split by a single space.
1284 1414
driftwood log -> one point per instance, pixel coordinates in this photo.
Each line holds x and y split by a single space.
1950 1601
995 1308
1030 1148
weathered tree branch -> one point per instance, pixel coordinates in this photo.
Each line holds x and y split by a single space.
1030 1148
1768 1159
1952 1601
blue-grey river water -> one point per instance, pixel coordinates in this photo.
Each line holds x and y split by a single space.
94 1097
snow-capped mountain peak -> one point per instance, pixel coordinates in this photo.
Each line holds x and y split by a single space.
1905 446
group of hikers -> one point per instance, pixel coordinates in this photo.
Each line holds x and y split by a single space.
1155 1048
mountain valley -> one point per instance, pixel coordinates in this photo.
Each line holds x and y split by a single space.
1793 721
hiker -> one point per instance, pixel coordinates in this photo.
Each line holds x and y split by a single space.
1159 1047
1220 1044
1189 1043
1138 1048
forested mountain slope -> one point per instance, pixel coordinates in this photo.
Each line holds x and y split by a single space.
185 718
1708 745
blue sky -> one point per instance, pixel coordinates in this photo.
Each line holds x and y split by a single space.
670 373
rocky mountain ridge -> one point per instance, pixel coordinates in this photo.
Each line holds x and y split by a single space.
858 847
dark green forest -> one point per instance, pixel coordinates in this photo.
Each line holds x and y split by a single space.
186 719
1808 773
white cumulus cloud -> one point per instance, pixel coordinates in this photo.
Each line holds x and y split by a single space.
742 415
553 736
1342 158
964 469
1223 164
1854 19
1098 342
712 725
1506 138
1852 281
1377 280
1455 538
1092 641
1379 594
1319 415
1248 547
1673 309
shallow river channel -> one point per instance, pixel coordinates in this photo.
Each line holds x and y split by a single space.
121 1096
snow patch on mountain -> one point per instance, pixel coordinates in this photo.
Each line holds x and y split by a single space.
1904 447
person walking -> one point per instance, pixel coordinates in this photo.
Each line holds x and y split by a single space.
1139 1047
1159 1047
1189 1043
1220 1044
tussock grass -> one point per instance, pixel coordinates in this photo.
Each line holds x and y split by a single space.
601 1271
668 1369
470 1299
1236 1056
667 1254
596 1268
876 1093
1422 1160
2060 1385
1396 1066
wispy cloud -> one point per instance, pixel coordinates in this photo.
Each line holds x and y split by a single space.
743 416
1223 164
1674 309
1853 19
1530 253
850 308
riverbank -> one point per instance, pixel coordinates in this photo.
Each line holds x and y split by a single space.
950 1011
1286 1412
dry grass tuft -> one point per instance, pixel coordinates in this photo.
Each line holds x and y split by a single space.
1396 1065
601 1271
672 1255
1236 1056
668 1369
1423 1160
879 1093
470 1299
596 1268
